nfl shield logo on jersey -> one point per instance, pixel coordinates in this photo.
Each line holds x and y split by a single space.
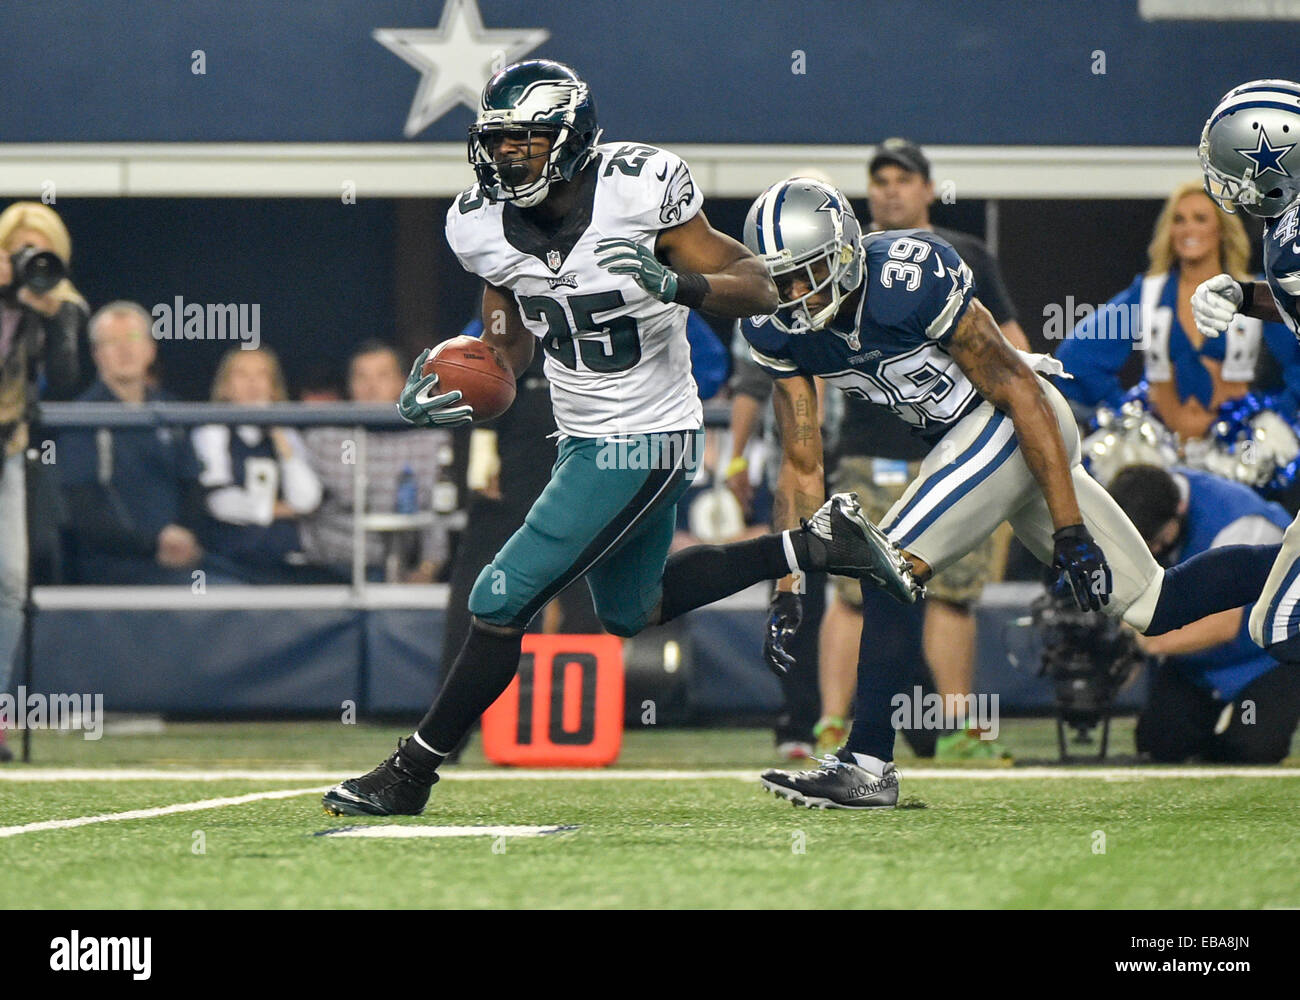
554 260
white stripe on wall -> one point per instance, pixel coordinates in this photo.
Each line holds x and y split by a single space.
391 170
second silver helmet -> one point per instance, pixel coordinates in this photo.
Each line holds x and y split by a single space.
807 236
1248 145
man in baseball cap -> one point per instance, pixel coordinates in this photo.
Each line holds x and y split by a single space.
901 153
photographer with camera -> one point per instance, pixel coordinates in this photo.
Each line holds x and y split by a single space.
42 318
1215 695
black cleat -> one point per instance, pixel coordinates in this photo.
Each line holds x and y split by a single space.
839 783
395 788
842 541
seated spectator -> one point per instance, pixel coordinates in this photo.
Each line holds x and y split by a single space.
259 479
320 384
1215 695
403 469
133 494
1189 376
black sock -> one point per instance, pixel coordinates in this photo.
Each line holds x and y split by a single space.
484 668
1231 576
887 657
703 574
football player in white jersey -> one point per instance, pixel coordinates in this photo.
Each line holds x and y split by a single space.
597 251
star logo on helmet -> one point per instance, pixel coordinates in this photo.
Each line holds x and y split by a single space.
1267 157
831 205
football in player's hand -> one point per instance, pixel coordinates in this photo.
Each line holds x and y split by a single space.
478 370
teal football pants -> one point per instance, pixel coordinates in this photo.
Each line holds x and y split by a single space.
608 514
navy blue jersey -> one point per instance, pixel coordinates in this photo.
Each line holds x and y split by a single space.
245 459
1282 264
891 349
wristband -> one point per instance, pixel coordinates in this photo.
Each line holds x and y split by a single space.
738 464
1072 533
1247 296
691 289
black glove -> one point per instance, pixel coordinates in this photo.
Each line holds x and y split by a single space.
1079 569
783 617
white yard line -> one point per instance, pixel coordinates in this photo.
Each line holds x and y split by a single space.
406 832
180 807
39 774
143 774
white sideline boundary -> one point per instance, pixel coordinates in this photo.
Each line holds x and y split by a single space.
140 774
180 807
38 774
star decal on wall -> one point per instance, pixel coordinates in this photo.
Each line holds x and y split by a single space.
455 59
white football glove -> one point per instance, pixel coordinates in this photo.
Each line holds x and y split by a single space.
1214 303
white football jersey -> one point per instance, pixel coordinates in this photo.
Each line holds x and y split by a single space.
617 358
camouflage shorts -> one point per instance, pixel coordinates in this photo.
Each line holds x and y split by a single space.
879 483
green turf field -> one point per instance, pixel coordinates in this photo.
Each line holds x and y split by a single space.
968 836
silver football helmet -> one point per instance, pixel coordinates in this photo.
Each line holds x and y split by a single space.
805 233
1247 148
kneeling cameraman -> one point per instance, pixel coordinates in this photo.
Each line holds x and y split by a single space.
1216 695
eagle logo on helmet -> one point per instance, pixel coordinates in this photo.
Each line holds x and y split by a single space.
542 100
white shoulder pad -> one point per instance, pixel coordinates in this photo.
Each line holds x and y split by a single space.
654 187
473 223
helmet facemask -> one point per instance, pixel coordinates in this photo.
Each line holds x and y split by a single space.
1229 191
496 180
835 265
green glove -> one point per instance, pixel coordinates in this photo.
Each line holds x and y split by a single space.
626 257
420 407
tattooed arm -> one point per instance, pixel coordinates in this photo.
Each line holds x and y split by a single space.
504 329
1001 376
800 487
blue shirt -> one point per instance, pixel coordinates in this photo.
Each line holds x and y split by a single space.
892 348
1216 504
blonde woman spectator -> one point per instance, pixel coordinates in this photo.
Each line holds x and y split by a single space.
259 480
39 336
1189 376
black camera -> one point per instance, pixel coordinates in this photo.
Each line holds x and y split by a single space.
39 270
1088 657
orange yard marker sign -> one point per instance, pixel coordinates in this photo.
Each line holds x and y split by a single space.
565 706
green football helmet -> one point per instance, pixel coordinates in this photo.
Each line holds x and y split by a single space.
1246 148
539 96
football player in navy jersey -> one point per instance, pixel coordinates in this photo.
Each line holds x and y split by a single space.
890 317
1249 158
